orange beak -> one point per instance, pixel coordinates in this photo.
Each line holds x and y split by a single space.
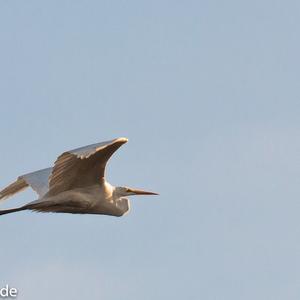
141 192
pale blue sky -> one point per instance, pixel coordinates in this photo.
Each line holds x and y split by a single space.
208 94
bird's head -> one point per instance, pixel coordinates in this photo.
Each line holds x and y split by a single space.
123 191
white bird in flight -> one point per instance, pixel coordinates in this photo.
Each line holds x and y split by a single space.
76 184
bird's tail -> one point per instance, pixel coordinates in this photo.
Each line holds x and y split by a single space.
12 210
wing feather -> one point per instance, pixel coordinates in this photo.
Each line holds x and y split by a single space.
82 167
19 185
38 181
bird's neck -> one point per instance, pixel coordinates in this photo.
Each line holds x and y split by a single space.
116 196
108 190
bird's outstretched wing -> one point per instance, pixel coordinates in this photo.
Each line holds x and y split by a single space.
82 167
38 181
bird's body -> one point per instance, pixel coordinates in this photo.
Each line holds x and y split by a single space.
76 184
96 199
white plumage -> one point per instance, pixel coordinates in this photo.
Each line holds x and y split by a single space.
76 184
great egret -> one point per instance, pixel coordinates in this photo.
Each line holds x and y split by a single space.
76 184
